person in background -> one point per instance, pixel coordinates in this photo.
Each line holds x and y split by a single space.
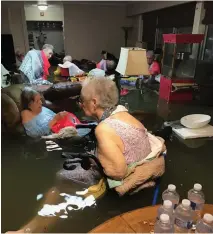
71 68
37 119
35 64
154 67
106 56
154 70
19 57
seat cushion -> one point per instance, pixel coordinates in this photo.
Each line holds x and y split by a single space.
10 112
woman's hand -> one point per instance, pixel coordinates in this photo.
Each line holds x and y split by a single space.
57 117
60 115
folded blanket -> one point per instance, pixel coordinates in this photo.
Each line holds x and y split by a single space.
157 147
142 176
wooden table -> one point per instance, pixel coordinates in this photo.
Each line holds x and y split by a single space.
136 221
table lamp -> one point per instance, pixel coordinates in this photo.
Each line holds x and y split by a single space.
133 62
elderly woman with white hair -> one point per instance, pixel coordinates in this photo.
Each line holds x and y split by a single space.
121 138
154 67
68 68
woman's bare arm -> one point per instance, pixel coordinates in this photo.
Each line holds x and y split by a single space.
109 153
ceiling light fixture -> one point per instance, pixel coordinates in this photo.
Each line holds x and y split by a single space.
42 6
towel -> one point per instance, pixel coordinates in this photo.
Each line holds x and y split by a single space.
157 147
142 177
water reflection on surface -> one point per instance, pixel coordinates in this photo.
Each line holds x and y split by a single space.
29 171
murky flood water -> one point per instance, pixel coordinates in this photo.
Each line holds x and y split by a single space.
29 171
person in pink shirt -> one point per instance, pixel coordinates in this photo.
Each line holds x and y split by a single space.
154 67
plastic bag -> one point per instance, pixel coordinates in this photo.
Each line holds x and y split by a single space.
69 120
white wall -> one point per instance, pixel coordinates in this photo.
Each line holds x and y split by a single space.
53 37
88 29
13 22
53 13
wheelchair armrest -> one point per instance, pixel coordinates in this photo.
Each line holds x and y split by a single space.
90 126
84 121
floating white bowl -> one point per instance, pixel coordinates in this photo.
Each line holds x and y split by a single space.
195 121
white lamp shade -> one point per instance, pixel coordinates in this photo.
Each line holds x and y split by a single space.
133 61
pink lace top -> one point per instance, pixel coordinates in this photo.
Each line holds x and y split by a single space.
135 140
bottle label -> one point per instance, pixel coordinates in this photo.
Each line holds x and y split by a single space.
196 206
183 224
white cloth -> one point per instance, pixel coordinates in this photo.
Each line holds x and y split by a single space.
73 69
4 71
187 133
97 72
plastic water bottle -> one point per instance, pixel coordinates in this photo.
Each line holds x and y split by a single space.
164 225
197 198
166 208
171 195
205 225
183 217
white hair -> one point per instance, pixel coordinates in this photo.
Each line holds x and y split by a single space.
150 53
110 64
103 89
67 58
47 47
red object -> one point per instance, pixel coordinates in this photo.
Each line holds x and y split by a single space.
168 94
98 65
65 72
70 120
46 65
183 38
124 92
154 68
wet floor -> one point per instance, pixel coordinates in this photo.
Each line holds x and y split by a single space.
28 171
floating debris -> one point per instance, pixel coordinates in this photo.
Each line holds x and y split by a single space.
39 196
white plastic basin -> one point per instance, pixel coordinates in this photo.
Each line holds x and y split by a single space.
195 121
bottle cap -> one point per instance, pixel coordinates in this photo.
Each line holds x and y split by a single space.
167 204
171 187
197 187
208 218
164 218
186 202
